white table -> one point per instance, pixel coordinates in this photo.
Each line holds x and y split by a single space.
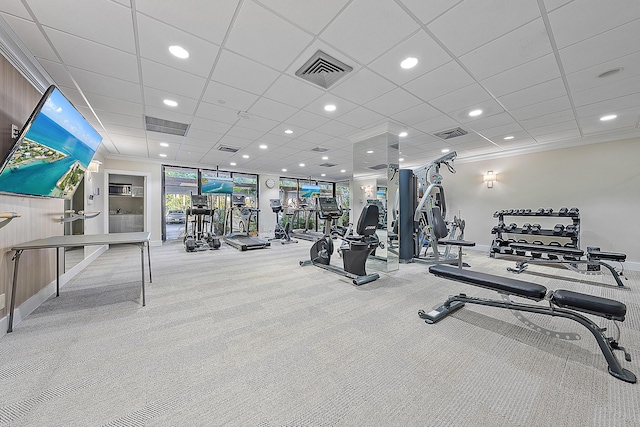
140 239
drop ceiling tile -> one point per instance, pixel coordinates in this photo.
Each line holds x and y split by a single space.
468 96
601 48
306 120
550 5
393 102
107 86
207 125
312 16
242 73
154 99
588 78
420 46
28 32
210 22
265 37
58 72
609 91
488 108
171 80
314 137
416 114
155 38
428 11
90 56
362 86
336 128
113 105
245 133
258 123
97 22
534 94
596 17
342 106
436 124
521 77
265 107
189 157
363 32
510 129
127 149
548 119
107 117
610 106
442 80
558 136
15 8
542 108
235 142
492 121
518 47
206 142
228 97
558 127
114 130
361 118
217 113
480 22
293 91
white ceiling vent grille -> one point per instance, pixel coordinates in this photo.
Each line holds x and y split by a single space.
228 149
323 70
327 165
320 149
155 124
451 133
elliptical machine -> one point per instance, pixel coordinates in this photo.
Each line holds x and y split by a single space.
196 235
355 249
280 233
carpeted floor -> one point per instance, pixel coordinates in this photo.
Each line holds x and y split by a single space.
253 339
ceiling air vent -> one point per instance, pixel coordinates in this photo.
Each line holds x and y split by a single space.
395 146
323 70
378 167
320 149
155 124
327 165
228 149
451 133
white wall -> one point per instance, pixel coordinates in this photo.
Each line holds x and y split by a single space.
267 218
602 180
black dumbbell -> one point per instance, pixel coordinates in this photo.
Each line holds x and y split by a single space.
563 211
548 211
527 211
574 211
540 211
571 229
526 227
511 227
535 228
558 229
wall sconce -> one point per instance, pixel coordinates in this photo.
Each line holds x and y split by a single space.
489 177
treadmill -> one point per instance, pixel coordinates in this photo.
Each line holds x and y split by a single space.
241 240
305 234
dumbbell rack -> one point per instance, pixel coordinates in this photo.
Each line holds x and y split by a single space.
500 244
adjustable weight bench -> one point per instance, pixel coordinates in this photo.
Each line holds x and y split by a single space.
569 257
562 303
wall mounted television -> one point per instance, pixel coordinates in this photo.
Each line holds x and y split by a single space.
52 152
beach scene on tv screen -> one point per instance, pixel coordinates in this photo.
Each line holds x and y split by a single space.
54 154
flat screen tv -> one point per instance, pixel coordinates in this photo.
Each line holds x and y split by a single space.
52 152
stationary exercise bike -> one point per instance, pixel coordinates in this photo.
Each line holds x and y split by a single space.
355 249
280 233
196 235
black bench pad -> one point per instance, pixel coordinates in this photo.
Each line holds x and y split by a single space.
496 283
559 250
456 242
599 306
612 256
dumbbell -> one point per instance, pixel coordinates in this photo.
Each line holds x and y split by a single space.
558 229
511 227
526 227
527 211
535 228
540 211
563 211
548 211
571 229
574 211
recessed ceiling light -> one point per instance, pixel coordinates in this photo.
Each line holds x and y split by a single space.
445 150
474 113
245 156
329 107
232 163
509 137
323 174
163 155
401 159
288 131
402 134
170 103
608 117
369 151
164 144
409 62
343 170
325 157
179 52
301 165
263 146
284 169
610 72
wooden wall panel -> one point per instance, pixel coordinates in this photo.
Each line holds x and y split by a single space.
40 216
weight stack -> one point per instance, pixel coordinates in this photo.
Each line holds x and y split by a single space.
407 196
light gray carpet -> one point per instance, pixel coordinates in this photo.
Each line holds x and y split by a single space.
253 339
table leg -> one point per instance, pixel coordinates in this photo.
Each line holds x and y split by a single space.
142 267
57 272
149 257
16 259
